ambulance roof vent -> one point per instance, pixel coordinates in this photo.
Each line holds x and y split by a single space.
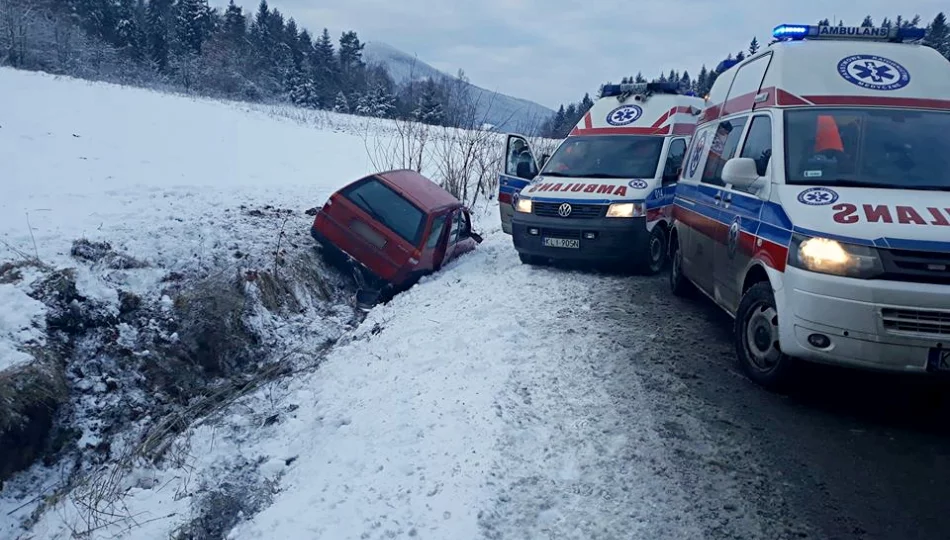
645 89
795 32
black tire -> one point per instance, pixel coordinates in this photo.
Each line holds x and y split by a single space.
680 285
656 255
756 339
529 259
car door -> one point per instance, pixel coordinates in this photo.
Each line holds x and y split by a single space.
740 211
434 250
710 230
686 210
455 234
464 241
520 168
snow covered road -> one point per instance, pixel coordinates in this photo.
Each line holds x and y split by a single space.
470 407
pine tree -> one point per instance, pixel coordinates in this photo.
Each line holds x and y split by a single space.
341 105
159 16
235 23
130 32
740 56
867 22
685 82
886 23
325 68
192 25
586 104
701 82
429 109
938 35
753 46
824 22
640 78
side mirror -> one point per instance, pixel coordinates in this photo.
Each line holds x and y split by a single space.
740 172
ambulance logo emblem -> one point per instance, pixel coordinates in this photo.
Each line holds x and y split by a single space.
733 244
638 184
624 114
697 154
817 196
873 72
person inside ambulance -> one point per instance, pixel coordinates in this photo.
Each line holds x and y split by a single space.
519 160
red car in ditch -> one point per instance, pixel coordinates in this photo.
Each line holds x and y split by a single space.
394 227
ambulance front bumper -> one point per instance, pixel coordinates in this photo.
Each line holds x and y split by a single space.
876 324
588 240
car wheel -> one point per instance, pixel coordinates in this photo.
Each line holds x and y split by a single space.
529 259
680 285
656 252
757 339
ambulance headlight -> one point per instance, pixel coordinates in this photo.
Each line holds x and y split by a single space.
523 205
827 256
625 210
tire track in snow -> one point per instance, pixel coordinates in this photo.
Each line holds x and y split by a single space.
578 459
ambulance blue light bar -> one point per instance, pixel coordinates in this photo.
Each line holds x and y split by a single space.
639 88
789 32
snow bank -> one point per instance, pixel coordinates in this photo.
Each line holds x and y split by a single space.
21 323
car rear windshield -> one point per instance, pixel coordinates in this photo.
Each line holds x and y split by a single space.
606 156
883 148
388 208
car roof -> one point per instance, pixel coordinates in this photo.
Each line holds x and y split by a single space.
425 193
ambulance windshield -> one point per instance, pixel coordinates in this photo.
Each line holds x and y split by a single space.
606 156
885 148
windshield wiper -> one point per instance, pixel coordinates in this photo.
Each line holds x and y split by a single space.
562 175
605 175
370 209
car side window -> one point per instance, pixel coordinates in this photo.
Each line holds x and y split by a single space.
758 143
437 226
456 226
724 144
674 160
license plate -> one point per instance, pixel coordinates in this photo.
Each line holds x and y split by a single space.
561 243
939 359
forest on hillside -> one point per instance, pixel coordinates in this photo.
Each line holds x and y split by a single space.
185 45
558 126
266 56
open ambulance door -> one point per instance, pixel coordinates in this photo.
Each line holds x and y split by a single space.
520 169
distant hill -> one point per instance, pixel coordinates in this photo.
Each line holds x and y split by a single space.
502 112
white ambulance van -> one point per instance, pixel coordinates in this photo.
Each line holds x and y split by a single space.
605 194
814 205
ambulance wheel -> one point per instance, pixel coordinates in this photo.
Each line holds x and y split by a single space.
680 285
529 259
656 252
756 339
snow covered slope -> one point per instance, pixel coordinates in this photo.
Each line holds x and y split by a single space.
503 112
492 400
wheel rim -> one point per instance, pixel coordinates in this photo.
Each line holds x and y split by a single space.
761 337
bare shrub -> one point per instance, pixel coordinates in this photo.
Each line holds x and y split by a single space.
406 149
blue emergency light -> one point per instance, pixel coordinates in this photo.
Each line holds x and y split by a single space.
609 90
794 32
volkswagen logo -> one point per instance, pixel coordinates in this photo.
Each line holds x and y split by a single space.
564 210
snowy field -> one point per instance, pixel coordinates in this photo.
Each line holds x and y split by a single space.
463 409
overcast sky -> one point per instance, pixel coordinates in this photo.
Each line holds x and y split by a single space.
552 51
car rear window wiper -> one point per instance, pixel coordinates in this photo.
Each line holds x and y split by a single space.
369 208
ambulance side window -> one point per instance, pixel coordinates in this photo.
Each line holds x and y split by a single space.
674 160
758 143
724 144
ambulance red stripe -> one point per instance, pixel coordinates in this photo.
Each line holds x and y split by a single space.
771 254
588 122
